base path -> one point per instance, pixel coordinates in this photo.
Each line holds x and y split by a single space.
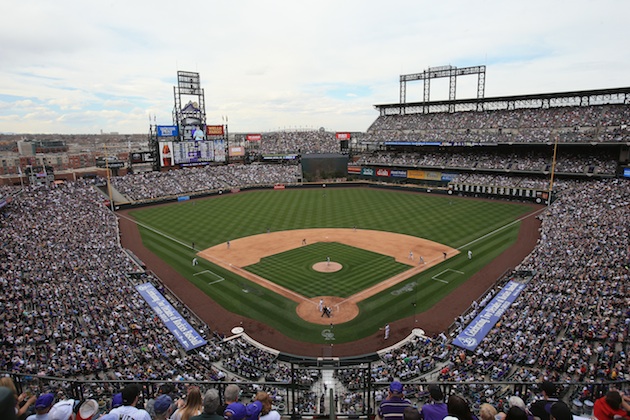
418 253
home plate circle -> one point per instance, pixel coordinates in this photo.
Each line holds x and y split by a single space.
327 267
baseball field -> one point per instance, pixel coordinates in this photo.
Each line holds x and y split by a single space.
373 256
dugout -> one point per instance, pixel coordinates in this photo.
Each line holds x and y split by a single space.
318 167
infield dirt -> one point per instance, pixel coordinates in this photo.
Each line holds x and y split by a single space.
418 253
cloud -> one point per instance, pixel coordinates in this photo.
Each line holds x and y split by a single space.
274 64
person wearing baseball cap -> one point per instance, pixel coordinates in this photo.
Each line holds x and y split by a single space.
436 408
43 404
393 407
162 407
87 410
130 397
235 411
63 410
253 410
117 400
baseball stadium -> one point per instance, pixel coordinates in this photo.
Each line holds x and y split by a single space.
479 244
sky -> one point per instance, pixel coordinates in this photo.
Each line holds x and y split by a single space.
82 67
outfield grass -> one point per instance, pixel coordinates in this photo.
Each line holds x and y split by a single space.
170 230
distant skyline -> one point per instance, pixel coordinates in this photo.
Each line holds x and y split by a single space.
72 67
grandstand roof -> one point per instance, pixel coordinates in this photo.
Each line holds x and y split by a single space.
540 100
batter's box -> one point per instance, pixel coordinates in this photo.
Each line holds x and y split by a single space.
447 275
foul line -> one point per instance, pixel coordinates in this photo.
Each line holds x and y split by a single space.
520 219
154 230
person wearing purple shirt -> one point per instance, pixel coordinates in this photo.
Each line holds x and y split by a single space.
393 407
436 408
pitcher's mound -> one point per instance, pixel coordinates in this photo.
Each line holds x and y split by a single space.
327 267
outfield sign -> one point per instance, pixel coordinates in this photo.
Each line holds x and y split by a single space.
167 131
476 331
176 324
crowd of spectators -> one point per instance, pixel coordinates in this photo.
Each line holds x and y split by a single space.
601 123
69 308
604 163
196 180
298 141
571 322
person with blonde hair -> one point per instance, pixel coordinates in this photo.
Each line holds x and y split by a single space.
487 411
267 412
192 407
20 409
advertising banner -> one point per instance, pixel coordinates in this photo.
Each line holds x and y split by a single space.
343 136
141 157
412 143
398 173
214 130
166 153
254 137
414 174
176 324
434 176
472 335
382 172
167 131
237 151
367 171
354 169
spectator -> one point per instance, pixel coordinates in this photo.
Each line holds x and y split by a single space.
192 407
267 413
436 409
487 412
611 406
211 405
117 400
164 389
253 410
235 411
394 405
549 396
162 407
22 401
411 413
87 410
516 413
7 404
43 404
458 409
130 397
63 410
560 411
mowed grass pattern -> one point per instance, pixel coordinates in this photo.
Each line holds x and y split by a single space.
170 230
293 269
